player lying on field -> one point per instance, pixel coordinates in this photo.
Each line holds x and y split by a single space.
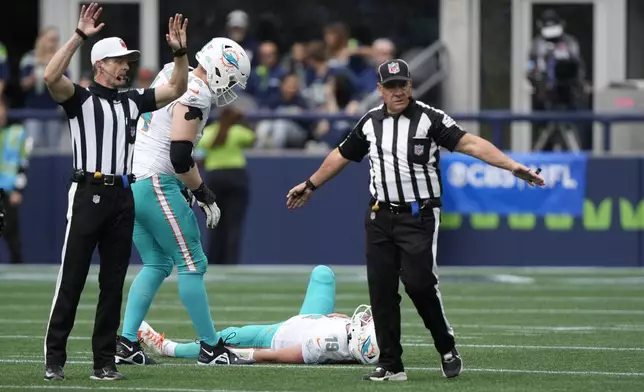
314 336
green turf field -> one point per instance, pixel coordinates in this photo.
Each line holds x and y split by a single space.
523 330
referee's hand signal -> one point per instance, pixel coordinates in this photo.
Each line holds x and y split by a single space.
88 16
298 196
523 172
177 36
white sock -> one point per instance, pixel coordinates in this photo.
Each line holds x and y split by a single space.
168 347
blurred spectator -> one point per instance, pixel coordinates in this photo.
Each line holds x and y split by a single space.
145 78
266 77
336 38
382 50
222 145
284 133
45 133
237 29
339 93
295 62
315 92
5 71
85 80
15 147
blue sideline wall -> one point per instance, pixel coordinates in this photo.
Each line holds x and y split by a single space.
330 229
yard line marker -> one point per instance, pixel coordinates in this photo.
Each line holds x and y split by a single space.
278 309
59 387
356 367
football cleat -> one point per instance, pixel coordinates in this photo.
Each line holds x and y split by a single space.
54 373
151 338
108 373
382 374
451 364
131 353
220 355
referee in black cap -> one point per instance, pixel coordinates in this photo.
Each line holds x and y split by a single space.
402 139
102 122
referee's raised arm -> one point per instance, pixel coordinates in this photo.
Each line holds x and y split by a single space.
59 85
102 121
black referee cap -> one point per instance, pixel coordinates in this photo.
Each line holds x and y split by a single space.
391 70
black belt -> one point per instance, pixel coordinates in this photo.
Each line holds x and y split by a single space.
98 178
399 208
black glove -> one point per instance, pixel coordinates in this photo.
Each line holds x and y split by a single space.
203 194
206 200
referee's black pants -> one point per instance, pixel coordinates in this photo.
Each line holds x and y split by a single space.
96 215
400 245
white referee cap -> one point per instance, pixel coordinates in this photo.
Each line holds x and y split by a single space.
112 47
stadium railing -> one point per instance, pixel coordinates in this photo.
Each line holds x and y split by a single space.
496 119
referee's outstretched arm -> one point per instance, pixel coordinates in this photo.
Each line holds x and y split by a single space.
482 149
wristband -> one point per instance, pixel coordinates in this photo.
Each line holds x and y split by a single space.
180 52
310 185
81 34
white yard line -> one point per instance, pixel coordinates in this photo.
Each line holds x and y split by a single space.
60 387
515 329
167 298
269 309
416 343
304 367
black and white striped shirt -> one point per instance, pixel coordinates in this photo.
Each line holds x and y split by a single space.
403 150
102 124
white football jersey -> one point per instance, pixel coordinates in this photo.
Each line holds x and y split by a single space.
323 339
152 146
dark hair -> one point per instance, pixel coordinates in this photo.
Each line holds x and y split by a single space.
317 51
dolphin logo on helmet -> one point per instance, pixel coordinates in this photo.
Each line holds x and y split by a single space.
363 345
227 66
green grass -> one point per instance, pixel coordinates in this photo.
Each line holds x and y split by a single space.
552 330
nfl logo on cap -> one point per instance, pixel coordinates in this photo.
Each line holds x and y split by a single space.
393 68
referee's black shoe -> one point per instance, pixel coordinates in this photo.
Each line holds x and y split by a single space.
131 353
382 374
451 363
108 373
54 373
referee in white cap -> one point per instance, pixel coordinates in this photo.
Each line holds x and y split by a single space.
102 122
402 139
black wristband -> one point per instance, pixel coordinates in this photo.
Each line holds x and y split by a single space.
310 185
81 34
180 52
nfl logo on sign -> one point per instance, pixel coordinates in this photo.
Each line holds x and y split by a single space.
419 149
96 199
394 68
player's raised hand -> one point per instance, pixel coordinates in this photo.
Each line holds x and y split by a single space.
177 37
88 16
298 196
